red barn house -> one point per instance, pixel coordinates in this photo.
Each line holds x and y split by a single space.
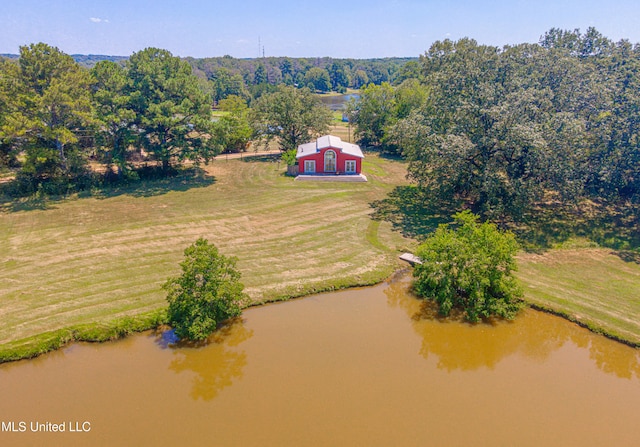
330 158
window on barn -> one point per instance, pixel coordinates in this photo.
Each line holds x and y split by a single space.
310 166
350 166
330 161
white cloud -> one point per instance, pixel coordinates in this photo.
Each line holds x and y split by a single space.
98 20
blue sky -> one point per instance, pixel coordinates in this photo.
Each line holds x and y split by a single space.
346 28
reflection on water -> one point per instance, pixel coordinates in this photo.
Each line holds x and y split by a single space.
615 362
371 366
210 377
459 345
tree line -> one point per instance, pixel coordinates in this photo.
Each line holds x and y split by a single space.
57 115
57 118
504 129
248 78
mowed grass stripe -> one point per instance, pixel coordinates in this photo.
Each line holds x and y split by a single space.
96 259
78 265
36 309
592 286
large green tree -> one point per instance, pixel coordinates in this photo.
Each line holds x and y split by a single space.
339 75
410 95
173 113
359 79
111 94
372 112
260 75
613 163
318 79
292 116
9 128
232 129
207 292
485 130
226 83
53 111
469 268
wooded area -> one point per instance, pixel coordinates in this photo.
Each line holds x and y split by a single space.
507 130
250 77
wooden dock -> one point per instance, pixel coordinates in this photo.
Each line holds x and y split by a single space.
410 258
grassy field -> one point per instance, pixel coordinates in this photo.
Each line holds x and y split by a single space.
83 268
594 287
91 267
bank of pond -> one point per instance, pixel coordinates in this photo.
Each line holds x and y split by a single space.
369 366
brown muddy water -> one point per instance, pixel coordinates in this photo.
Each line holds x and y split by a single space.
366 367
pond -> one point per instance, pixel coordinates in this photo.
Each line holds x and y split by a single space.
370 367
337 102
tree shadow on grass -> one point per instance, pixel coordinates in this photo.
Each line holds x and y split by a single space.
155 184
416 214
384 153
14 205
150 183
412 212
629 256
545 227
264 158
553 224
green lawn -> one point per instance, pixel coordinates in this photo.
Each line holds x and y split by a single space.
84 267
596 287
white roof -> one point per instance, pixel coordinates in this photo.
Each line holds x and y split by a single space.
329 141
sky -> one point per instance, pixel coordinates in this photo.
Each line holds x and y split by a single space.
340 29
